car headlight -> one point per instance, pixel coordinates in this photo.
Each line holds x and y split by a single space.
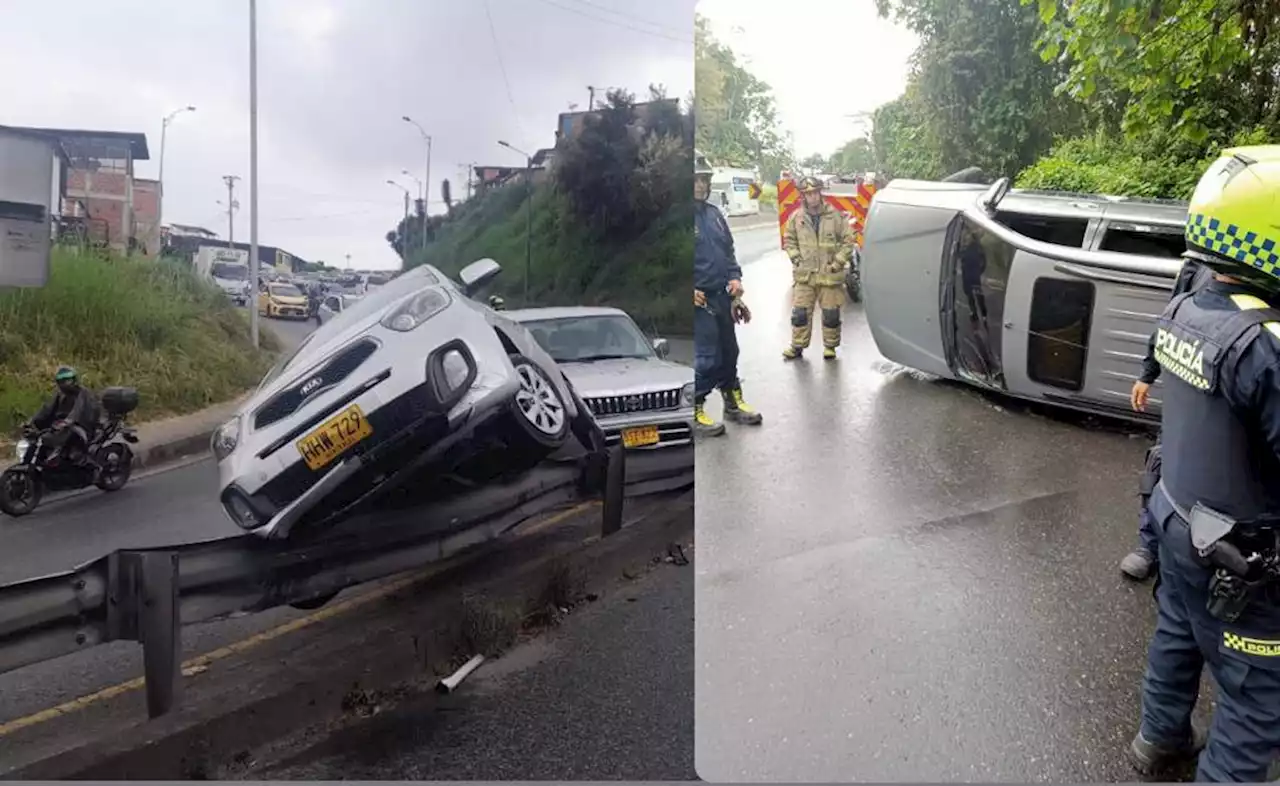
21 448
686 395
226 438
416 310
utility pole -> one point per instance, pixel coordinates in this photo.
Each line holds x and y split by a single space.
253 167
230 180
348 262
591 98
426 198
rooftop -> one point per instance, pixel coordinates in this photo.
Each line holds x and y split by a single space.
81 143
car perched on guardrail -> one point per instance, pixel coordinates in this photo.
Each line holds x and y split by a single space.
1046 296
638 397
415 378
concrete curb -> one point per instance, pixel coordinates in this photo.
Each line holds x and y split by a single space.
173 449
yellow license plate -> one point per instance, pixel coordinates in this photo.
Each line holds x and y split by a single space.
335 435
639 437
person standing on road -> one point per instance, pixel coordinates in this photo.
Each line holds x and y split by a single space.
1141 563
717 292
820 243
1218 598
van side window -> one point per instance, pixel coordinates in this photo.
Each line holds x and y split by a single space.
1058 344
1128 239
1047 229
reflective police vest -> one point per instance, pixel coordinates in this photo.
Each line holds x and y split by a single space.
1210 454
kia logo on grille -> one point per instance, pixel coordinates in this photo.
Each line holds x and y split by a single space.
633 404
311 385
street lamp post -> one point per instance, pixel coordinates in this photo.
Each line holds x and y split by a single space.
528 226
405 224
253 167
164 131
422 190
426 188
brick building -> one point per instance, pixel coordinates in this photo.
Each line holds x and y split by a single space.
102 194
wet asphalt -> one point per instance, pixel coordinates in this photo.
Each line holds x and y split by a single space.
906 580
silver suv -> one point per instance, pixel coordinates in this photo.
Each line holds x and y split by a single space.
639 398
414 378
1047 296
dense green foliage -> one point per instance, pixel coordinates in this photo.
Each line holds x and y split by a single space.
737 117
610 221
1129 97
148 324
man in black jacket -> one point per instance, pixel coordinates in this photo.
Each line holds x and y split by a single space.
1140 564
72 413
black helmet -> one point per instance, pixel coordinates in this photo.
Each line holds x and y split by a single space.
65 374
808 184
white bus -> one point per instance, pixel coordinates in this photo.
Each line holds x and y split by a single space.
730 191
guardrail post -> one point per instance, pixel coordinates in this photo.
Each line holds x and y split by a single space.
159 629
614 487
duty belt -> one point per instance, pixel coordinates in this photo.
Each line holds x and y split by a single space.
1246 527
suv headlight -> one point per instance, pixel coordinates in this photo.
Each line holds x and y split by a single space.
686 395
418 309
226 438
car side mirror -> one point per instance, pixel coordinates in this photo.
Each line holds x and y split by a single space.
662 347
477 274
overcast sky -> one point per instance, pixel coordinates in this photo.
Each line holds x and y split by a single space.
829 59
334 79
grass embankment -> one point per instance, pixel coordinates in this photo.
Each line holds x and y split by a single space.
769 196
648 276
145 324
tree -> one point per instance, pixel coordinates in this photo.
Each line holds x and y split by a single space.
737 117
815 163
979 94
1204 69
853 157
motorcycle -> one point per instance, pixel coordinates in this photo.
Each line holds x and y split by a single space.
107 461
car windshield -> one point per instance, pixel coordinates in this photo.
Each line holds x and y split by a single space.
285 290
587 339
230 271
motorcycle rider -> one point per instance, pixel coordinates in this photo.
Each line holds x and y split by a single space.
72 413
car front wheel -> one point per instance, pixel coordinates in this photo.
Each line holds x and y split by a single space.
539 412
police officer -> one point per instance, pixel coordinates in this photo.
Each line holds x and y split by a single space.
1218 601
717 293
820 243
1140 563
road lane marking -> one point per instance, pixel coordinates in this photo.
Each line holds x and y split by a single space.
201 663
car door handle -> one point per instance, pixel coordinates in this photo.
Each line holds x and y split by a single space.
1008 326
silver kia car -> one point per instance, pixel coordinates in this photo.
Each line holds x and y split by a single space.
639 398
415 380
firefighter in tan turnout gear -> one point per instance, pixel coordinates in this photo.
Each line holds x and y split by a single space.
821 244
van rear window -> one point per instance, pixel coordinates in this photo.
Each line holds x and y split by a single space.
1047 229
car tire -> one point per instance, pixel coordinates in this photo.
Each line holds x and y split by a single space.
538 409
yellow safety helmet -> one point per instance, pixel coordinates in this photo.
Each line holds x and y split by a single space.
809 184
1233 222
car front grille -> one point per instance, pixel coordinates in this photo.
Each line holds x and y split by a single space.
331 373
640 402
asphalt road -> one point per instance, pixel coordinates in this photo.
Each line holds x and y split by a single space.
905 580
606 696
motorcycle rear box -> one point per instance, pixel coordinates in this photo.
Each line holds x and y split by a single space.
119 401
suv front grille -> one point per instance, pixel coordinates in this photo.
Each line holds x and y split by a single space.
331 373
640 402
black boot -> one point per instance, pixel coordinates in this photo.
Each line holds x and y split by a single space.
1147 757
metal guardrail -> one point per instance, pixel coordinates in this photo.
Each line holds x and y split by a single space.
147 595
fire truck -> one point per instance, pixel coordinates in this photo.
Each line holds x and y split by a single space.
849 195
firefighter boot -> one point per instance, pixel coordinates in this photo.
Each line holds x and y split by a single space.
703 425
829 353
793 353
737 410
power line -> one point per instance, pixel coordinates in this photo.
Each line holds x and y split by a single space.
632 17
615 23
497 50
